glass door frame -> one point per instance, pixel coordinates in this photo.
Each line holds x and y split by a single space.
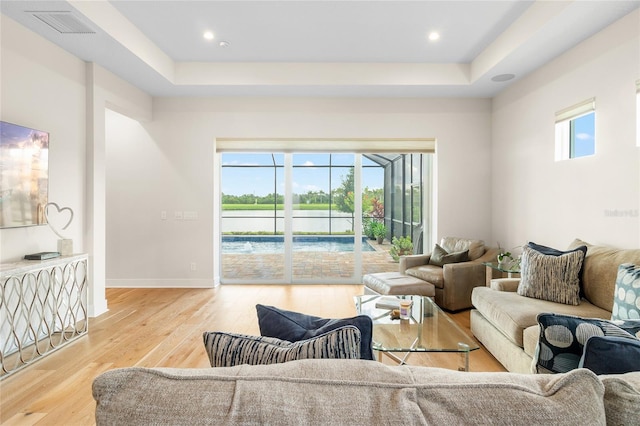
288 277
355 146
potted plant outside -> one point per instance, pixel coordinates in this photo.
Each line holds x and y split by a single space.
367 227
400 247
379 231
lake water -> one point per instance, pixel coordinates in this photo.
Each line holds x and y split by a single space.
303 221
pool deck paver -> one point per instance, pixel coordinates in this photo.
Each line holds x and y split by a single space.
306 265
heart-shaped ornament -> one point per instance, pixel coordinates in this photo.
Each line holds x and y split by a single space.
59 212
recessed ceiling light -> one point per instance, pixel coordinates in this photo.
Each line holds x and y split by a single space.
224 43
208 35
503 77
433 36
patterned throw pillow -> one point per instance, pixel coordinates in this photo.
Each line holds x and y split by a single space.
555 252
440 257
552 278
626 300
229 349
295 326
562 339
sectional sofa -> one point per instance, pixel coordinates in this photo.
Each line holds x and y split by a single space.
506 322
359 392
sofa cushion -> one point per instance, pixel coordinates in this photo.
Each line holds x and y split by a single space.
611 355
626 303
229 349
530 339
295 326
511 313
552 278
440 257
621 398
505 284
562 339
430 273
601 269
396 283
344 392
453 244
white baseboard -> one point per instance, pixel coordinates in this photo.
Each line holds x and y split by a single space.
160 283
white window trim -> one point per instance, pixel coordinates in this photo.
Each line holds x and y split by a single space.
563 140
356 146
638 113
563 126
577 110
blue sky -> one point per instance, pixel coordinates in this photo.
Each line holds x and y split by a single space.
260 181
584 135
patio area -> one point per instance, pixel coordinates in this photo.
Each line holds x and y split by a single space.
306 265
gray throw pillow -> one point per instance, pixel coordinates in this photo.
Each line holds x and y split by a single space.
440 257
549 277
555 252
229 349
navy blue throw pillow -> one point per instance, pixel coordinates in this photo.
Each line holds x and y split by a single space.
611 355
294 326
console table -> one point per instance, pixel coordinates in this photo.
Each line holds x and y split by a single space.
43 307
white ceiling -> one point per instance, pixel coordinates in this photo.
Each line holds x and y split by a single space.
347 48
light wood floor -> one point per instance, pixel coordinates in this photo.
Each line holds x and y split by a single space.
163 328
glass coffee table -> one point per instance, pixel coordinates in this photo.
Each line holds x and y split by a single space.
427 329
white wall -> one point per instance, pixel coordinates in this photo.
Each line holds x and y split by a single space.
142 180
172 170
538 199
104 90
44 87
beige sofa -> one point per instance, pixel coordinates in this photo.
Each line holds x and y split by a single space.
357 392
506 323
453 282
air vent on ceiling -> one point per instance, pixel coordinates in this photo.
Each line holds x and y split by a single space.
64 22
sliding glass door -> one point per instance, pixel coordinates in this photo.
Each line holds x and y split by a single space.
252 217
323 220
310 217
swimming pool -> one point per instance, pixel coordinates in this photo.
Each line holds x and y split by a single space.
275 244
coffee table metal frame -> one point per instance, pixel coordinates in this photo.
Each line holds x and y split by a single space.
428 329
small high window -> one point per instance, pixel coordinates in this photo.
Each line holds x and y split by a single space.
575 131
638 113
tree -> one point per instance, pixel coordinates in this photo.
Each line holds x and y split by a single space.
343 195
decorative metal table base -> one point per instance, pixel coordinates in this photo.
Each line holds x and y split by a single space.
43 307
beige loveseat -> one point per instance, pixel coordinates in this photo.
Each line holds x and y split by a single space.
357 392
453 282
506 323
